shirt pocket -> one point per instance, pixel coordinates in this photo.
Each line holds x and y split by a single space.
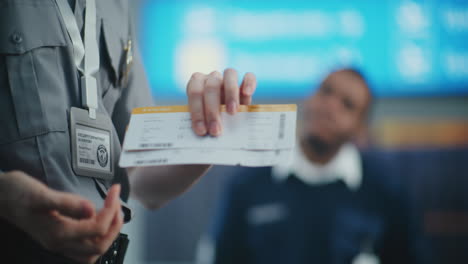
32 89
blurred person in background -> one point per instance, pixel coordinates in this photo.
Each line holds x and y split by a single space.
330 204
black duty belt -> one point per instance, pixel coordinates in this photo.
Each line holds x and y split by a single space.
116 253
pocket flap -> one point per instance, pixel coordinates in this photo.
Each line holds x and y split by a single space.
28 25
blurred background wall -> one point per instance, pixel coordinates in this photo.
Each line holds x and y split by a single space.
414 53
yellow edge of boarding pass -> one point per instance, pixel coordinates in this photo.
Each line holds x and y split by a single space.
242 108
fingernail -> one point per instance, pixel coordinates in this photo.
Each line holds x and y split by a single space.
200 128
118 187
215 128
248 90
115 194
232 107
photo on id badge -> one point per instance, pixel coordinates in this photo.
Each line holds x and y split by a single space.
91 144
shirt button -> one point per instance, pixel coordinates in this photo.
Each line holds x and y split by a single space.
16 38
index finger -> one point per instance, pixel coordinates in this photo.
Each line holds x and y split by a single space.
212 102
95 226
195 89
71 205
231 91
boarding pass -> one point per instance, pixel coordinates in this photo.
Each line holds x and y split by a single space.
248 158
258 135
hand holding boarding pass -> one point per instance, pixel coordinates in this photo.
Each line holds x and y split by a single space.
258 135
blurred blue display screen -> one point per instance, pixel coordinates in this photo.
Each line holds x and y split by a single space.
405 48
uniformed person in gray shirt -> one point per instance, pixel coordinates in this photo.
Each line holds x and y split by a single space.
70 69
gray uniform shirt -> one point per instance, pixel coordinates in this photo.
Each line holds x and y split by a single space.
39 83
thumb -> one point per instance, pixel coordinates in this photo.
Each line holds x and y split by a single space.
112 196
70 205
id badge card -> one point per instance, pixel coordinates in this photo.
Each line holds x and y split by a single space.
91 144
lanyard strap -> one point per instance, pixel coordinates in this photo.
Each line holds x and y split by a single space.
85 55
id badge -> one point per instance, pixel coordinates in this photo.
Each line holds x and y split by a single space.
91 144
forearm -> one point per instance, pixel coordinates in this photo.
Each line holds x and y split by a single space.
154 186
